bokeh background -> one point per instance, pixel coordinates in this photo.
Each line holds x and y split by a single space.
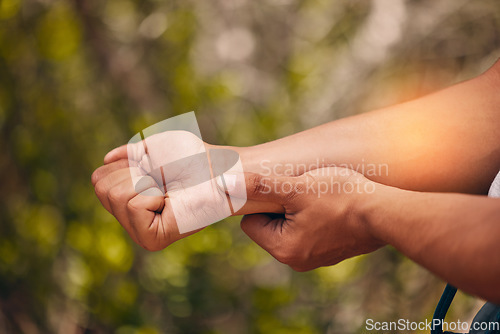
78 78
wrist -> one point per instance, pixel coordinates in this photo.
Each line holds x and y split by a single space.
250 157
370 207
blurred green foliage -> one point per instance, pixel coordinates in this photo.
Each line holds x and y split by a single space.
78 78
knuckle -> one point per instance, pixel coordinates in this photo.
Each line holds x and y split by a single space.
115 195
96 176
244 225
297 268
133 206
291 254
147 247
300 268
152 247
291 188
282 257
100 189
299 187
295 191
285 256
258 184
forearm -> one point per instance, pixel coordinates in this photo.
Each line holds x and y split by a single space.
447 141
454 236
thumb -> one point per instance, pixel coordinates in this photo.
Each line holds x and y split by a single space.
130 151
257 187
116 154
264 229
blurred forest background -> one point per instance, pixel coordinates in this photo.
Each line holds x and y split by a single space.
78 78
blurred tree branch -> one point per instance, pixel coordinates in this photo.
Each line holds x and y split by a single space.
136 83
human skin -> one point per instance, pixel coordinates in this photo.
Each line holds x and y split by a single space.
448 141
445 142
332 214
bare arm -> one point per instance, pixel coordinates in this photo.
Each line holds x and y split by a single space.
332 214
454 236
447 141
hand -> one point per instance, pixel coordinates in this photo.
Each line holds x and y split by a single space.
320 226
130 187
151 205
146 215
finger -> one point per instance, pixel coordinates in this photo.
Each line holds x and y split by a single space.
131 151
265 230
148 221
281 190
105 170
105 184
124 191
153 221
116 154
252 206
